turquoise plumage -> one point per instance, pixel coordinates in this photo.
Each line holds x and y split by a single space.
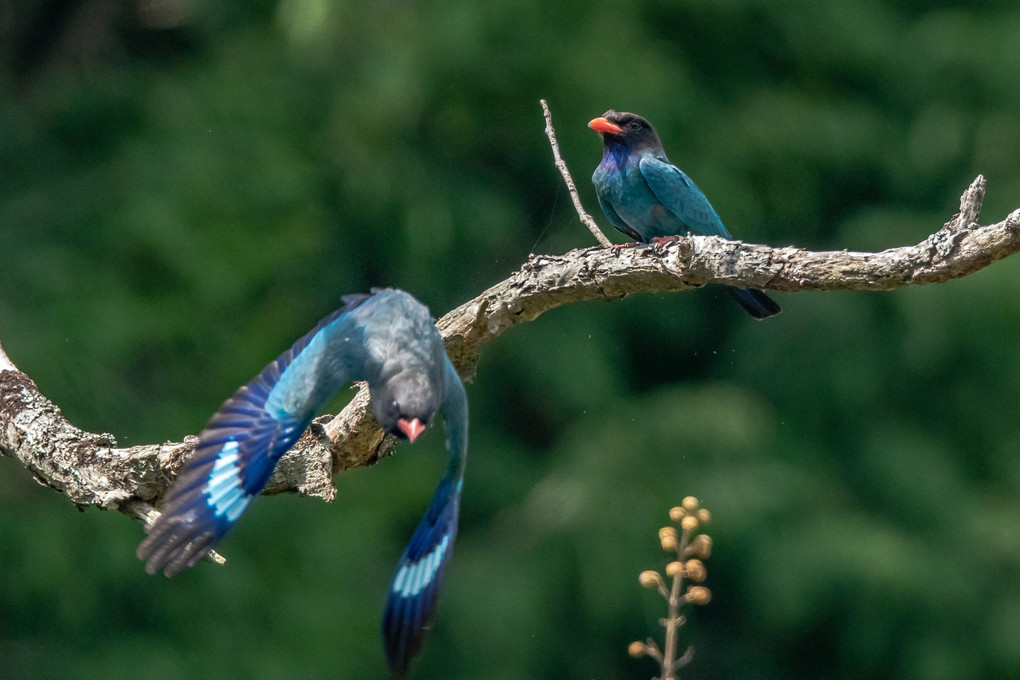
387 339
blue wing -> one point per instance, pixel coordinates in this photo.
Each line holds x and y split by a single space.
685 200
411 602
682 197
242 442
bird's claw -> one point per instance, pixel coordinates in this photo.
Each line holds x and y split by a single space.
664 240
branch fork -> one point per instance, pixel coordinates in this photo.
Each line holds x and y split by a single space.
89 469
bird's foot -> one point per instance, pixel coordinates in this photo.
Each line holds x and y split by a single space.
664 240
621 246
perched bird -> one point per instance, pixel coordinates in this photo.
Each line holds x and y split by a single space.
650 199
387 339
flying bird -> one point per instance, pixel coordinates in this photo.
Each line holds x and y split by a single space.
386 338
650 199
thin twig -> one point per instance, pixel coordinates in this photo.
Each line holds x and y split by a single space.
683 660
561 165
651 649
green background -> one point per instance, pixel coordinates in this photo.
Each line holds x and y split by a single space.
186 188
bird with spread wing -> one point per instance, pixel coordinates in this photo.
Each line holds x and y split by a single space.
387 339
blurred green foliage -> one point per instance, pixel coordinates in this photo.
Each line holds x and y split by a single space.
187 187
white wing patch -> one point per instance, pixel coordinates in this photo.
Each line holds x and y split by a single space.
412 578
223 490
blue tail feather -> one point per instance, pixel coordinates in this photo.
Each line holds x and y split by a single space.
755 302
414 591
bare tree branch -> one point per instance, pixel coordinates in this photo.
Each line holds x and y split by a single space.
89 469
561 165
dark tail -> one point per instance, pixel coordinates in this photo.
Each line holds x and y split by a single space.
756 303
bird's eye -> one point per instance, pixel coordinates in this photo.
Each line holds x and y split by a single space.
634 125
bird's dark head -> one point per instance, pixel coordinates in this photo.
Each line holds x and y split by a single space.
626 129
405 404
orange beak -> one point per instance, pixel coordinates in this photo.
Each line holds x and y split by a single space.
602 124
411 428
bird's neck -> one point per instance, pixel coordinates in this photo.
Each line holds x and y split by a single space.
623 156
617 156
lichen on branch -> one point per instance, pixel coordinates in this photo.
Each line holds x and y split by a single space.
89 469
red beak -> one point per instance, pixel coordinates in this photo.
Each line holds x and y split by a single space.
602 124
411 428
